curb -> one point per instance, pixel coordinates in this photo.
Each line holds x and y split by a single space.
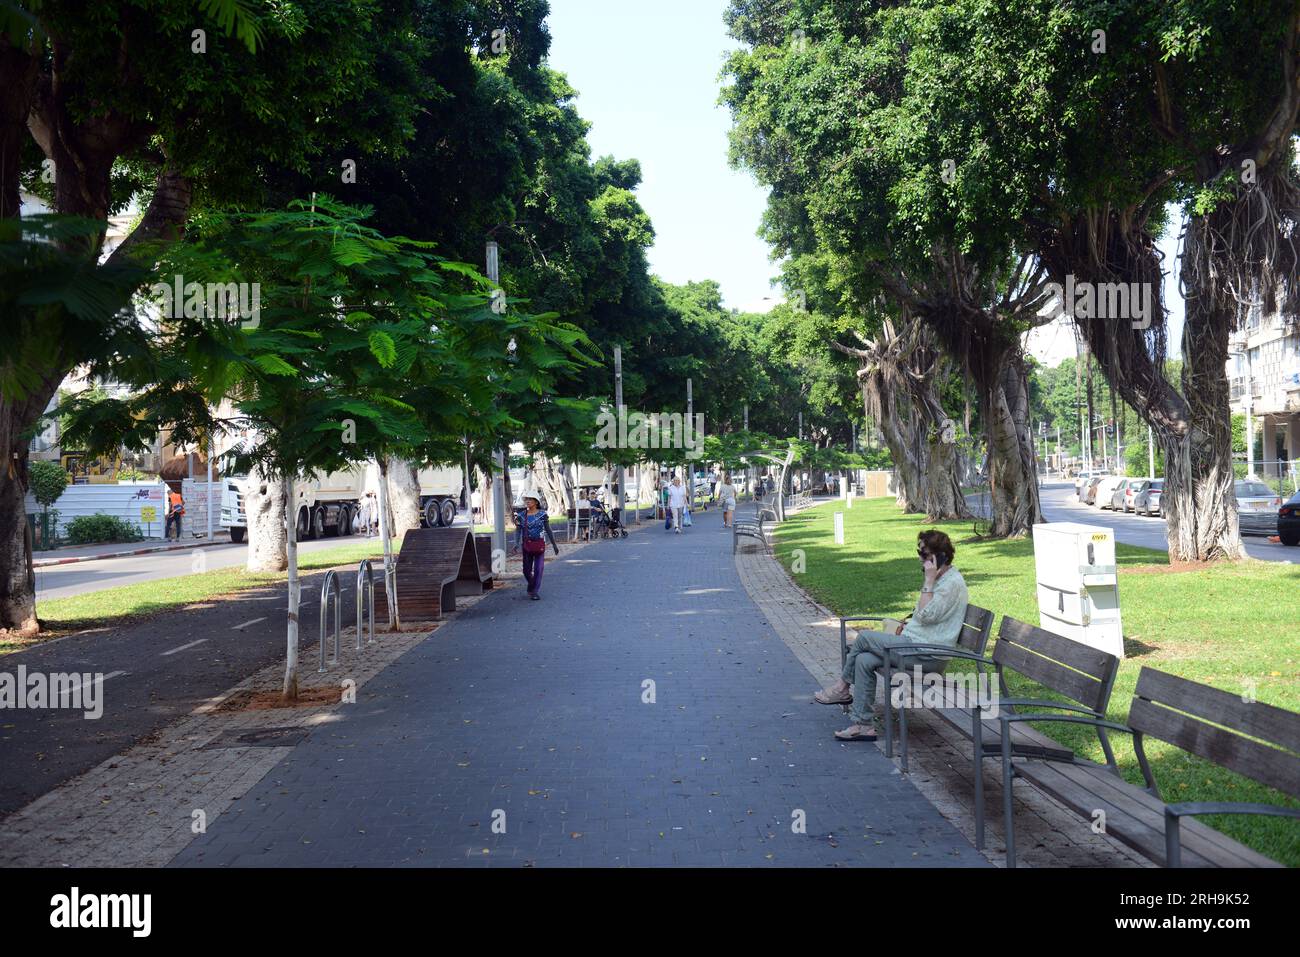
50 562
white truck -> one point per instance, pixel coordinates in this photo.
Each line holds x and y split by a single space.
326 504
441 494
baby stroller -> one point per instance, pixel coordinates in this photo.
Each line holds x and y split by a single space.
606 524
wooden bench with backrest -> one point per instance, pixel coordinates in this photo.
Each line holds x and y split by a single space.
1259 741
1083 675
977 625
433 566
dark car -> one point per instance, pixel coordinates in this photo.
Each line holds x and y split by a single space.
1288 521
1146 501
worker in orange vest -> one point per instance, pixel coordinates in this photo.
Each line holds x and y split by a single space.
175 509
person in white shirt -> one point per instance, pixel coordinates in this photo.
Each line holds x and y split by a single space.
677 503
726 494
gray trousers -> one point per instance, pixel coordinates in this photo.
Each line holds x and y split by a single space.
866 654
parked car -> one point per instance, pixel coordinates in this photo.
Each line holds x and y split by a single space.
1117 496
1106 490
1146 501
1256 504
1288 521
1127 493
1081 482
1090 490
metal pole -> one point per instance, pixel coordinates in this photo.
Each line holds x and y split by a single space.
208 508
622 415
690 466
1250 407
498 456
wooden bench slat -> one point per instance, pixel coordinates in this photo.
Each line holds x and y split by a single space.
1268 765
1275 725
1073 654
1089 691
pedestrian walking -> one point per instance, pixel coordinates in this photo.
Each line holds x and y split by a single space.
368 513
727 495
677 503
533 528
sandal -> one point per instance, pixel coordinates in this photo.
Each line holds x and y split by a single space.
826 696
856 732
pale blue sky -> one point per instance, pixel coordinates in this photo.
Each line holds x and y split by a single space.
647 81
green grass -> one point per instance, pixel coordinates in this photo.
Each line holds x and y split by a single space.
113 606
1222 625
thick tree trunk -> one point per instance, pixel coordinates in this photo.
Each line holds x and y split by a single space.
403 496
266 503
18 584
1013 477
1202 509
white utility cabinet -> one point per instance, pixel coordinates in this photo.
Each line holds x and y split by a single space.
1078 589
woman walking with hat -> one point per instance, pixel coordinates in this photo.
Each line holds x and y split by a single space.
533 528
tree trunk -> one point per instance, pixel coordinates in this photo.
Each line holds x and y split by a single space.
1013 476
266 503
403 496
386 536
295 591
1199 496
18 581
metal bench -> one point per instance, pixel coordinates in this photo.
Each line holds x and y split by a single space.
1256 740
749 528
972 639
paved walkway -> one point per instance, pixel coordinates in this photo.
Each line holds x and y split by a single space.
643 713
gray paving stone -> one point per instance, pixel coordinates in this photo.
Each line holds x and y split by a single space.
535 708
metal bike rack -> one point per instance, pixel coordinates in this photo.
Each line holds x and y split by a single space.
366 581
328 586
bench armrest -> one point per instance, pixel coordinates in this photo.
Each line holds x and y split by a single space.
1067 719
1193 808
1175 812
937 651
1083 717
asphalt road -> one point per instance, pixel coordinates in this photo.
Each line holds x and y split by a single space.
154 672
1061 505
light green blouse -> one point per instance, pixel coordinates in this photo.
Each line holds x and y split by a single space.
939 622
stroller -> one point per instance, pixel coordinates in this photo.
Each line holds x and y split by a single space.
606 524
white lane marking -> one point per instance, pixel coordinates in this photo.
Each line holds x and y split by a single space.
77 687
182 647
247 623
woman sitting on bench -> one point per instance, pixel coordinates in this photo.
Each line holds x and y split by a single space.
938 618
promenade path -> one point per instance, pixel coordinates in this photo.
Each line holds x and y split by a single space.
643 713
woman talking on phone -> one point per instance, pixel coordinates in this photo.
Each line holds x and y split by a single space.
937 620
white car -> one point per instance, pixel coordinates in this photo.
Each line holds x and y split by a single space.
1106 490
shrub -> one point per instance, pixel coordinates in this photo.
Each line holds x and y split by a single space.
47 481
88 529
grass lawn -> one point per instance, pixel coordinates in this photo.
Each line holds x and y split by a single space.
113 606
1230 626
